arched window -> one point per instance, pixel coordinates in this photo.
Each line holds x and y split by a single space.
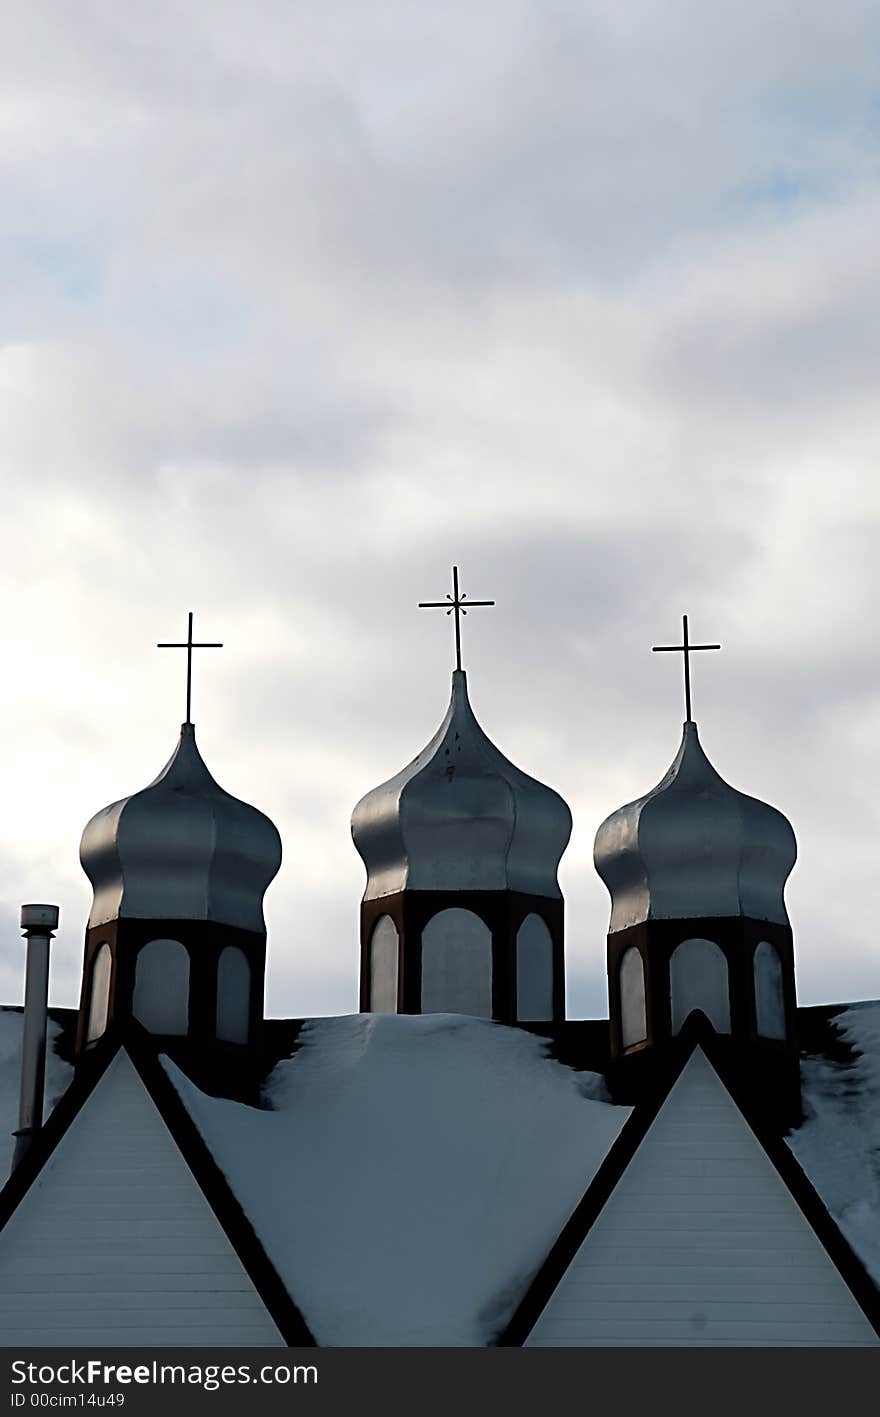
99 997
161 987
457 964
633 1019
769 996
534 970
233 995
698 980
384 952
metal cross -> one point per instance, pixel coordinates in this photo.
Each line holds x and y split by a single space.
456 603
687 650
189 646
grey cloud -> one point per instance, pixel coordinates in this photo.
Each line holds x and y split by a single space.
585 304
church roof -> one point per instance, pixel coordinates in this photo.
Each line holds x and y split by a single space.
408 1176
461 817
134 1195
684 1196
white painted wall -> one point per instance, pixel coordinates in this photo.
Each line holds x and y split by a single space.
701 1244
769 998
233 995
99 998
161 987
384 957
457 964
534 970
698 980
115 1244
633 1019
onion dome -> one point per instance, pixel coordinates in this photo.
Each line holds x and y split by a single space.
181 849
461 817
694 847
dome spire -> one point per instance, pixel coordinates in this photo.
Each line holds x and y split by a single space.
189 646
455 603
696 871
686 649
462 911
176 937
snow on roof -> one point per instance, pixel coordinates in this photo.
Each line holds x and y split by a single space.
413 1173
410 1174
838 1145
58 1075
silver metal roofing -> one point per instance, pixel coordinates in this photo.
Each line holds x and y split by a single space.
181 849
461 817
693 847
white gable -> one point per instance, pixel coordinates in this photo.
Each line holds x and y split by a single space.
115 1244
701 1243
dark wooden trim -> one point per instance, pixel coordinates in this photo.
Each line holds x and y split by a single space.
218 1193
697 1031
850 1268
581 1221
88 1073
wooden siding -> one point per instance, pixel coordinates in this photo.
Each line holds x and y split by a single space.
701 1243
115 1243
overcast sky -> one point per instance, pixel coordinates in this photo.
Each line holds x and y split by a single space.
302 302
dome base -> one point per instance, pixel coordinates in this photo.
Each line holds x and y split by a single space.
766 1076
195 984
736 971
505 951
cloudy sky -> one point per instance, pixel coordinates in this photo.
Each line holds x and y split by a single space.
303 302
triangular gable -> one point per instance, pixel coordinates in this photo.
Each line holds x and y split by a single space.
118 1228
697 1232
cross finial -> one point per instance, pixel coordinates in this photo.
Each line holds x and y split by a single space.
189 646
454 602
686 649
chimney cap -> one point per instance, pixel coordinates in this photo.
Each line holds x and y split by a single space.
39 917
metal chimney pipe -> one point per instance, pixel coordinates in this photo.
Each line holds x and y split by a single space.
38 923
